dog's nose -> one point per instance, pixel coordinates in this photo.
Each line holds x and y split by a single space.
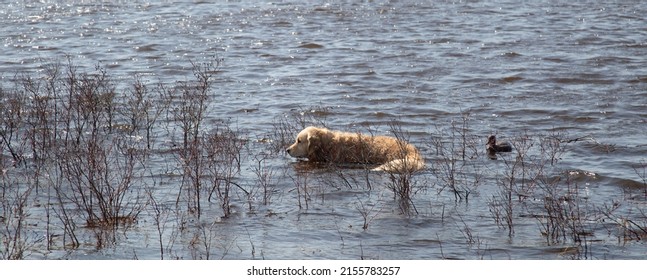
287 150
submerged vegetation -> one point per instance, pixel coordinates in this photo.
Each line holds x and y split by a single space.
83 159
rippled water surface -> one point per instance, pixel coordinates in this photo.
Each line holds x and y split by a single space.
516 68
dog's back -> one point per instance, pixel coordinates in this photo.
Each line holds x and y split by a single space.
392 154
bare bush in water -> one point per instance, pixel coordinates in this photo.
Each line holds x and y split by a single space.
370 208
16 238
300 180
265 177
567 217
84 146
455 165
65 121
224 155
188 108
144 107
518 181
402 183
532 176
98 167
629 219
12 110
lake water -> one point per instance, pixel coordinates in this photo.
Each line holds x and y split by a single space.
518 69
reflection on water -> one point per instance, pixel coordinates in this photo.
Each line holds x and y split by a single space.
449 74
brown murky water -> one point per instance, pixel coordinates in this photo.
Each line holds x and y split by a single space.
521 70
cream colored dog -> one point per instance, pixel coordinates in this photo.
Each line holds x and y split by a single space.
323 145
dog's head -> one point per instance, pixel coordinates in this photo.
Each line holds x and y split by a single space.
306 142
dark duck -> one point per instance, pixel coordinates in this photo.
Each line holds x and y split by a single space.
494 147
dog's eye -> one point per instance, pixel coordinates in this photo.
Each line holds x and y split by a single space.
298 140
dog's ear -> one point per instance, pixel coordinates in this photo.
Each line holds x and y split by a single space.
315 145
314 137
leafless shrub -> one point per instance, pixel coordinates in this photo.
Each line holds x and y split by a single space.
16 238
368 210
553 147
162 214
88 105
503 206
223 153
72 132
300 180
467 233
144 107
265 176
456 150
566 216
202 241
42 132
98 178
188 104
531 157
66 120
12 110
631 222
190 101
628 228
402 183
63 209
